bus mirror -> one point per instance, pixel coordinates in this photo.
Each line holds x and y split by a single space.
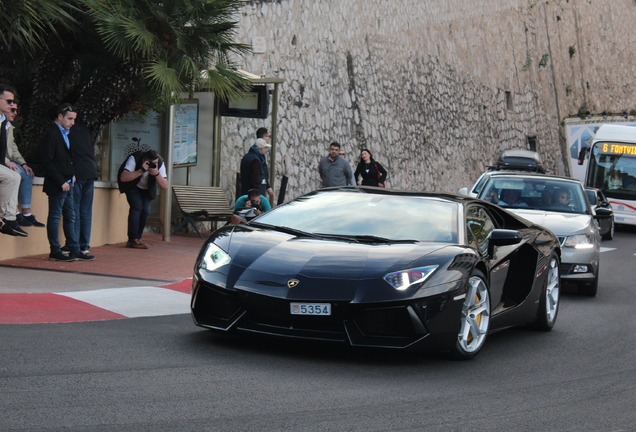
582 155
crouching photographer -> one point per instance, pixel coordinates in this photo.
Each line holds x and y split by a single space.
138 178
249 206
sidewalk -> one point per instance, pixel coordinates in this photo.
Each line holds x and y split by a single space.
120 283
166 262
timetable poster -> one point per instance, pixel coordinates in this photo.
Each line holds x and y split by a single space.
184 139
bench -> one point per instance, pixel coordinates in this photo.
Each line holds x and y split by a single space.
201 204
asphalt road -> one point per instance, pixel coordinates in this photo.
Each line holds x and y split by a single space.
164 374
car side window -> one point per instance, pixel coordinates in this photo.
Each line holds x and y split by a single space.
480 224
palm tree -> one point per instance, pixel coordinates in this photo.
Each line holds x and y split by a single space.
111 57
24 24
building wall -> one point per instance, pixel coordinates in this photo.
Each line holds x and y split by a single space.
423 84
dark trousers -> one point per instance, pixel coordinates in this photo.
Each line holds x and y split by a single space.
139 201
61 204
83 192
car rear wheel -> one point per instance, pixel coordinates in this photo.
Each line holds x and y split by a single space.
549 303
609 235
475 319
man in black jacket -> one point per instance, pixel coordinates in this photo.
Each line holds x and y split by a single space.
254 169
83 155
59 179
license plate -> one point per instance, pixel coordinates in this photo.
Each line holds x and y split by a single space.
620 219
310 309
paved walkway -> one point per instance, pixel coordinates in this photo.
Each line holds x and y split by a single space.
150 282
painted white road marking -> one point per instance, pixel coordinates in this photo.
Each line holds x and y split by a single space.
606 249
136 302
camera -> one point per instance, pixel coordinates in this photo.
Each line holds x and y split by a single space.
255 204
152 165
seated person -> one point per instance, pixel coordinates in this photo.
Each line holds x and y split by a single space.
492 196
254 200
15 161
511 198
560 200
615 180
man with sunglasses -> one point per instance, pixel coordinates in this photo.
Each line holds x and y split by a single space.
16 162
59 179
9 179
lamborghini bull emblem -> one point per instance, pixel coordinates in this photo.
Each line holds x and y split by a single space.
292 283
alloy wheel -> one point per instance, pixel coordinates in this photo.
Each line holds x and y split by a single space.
552 291
475 316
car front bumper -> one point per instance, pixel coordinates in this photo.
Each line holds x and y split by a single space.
573 262
429 324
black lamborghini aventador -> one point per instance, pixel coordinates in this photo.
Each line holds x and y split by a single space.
379 268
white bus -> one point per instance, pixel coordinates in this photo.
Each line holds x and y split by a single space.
612 168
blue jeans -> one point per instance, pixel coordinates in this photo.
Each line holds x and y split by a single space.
61 204
83 191
139 200
26 189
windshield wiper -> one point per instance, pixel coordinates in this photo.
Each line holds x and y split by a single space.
376 239
338 237
287 230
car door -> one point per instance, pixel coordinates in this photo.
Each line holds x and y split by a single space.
480 225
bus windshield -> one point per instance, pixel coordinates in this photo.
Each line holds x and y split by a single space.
613 169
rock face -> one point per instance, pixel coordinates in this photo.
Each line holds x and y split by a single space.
435 89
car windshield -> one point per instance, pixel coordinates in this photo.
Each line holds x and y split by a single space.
355 214
536 193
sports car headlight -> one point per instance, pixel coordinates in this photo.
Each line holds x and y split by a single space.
403 279
580 241
214 257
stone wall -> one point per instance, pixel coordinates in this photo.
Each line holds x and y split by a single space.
423 84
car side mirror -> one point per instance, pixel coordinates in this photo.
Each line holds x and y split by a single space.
503 237
463 191
603 213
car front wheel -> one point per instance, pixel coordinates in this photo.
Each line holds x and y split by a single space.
475 319
549 303
591 288
609 235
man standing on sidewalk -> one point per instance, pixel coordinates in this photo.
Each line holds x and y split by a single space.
334 170
254 169
83 155
9 179
58 185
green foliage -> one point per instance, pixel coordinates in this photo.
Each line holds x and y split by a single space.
27 23
528 62
572 51
111 57
582 112
568 89
545 58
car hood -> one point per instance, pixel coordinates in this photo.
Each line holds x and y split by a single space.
561 224
280 253
265 261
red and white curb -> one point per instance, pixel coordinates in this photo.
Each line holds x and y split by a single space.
95 305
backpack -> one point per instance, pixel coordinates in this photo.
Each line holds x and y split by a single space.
125 186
